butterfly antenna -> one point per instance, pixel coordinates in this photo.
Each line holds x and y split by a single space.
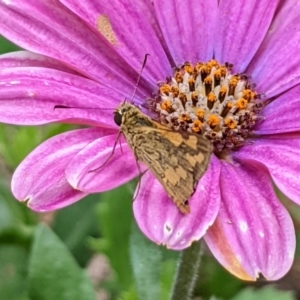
139 77
80 107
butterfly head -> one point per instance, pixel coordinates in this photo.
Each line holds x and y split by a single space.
124 112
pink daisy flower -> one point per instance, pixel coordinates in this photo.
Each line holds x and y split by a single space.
87 54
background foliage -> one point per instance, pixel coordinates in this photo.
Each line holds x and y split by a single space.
93 249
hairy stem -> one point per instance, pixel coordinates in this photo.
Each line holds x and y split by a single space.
186 273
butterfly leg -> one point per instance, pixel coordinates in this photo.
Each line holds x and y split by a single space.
111 154
140 177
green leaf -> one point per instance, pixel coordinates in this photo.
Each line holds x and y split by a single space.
153 267
13 272
146 260
129 295
268 292
12 211
168 270
7 46
16 142
53 272
16 219
75 223
6 211
115 217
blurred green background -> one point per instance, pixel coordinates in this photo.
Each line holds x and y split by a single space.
93 250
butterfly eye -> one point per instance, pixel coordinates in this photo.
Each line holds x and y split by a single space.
118 118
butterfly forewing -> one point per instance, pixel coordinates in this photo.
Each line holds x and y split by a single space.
177 159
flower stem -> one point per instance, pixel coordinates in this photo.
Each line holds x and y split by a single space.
186 273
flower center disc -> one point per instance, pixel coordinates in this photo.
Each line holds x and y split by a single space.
207 99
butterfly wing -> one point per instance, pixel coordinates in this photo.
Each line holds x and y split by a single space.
177 159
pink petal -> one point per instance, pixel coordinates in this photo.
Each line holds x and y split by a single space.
117 165
51 29
276 65
40 178
54 198
28 96
162 222
132 41
281 156
281 115
30 59
241 28
188 28
253 233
